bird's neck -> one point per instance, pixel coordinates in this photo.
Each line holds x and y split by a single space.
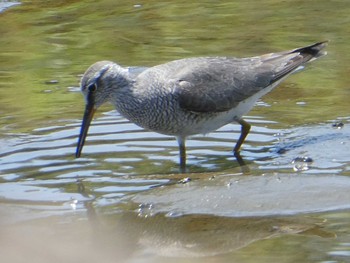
121 86
119 77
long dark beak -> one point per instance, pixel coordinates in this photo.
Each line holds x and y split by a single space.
88 114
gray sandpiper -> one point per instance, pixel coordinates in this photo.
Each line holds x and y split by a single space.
189 96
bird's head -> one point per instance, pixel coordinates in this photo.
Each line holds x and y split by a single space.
97 86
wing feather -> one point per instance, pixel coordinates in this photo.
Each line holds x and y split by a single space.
219 84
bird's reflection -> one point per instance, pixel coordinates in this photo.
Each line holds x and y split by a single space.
191 235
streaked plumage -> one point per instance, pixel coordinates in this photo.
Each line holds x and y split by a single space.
189 96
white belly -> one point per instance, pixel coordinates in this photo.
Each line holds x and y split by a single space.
213 123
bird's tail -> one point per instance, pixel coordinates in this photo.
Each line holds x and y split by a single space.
311 52
294 60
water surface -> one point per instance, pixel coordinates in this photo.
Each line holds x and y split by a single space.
125 200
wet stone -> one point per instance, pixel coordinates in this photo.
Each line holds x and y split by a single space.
338 125
185 180
303 159
51 82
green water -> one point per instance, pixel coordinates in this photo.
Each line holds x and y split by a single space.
45 46
44 41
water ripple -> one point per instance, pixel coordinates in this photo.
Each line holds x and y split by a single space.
119 157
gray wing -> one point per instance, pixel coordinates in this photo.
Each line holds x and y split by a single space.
219 84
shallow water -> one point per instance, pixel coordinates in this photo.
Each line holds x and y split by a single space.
124 199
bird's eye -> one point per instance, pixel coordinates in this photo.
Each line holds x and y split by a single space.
92 87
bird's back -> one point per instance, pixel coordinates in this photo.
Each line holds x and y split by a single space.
216 84
193 91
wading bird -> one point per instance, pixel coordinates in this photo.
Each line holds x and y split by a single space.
189 96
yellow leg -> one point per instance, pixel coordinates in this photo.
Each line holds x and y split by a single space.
245 128
182 149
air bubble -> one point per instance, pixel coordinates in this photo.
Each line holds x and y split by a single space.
146 210
302 163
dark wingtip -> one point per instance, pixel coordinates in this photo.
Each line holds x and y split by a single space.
315 50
